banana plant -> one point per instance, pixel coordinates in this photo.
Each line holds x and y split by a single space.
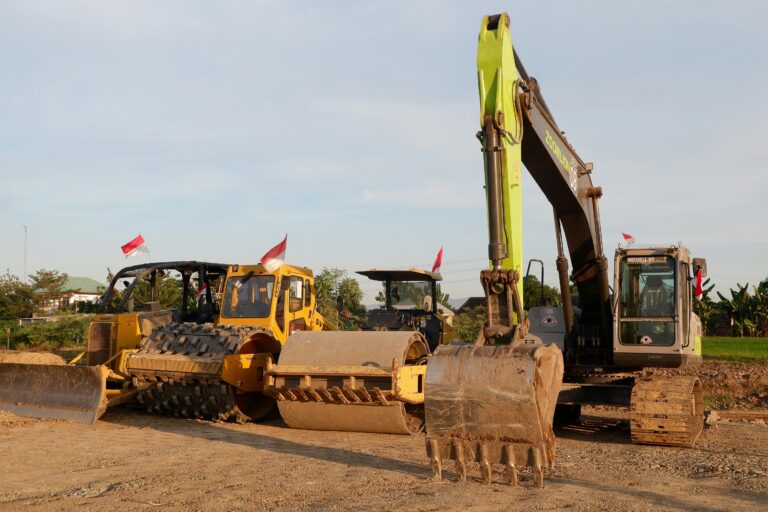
739 308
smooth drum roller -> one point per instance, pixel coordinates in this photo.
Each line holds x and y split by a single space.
492 404
351 381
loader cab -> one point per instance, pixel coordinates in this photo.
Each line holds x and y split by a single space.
410 303
654 324
280 302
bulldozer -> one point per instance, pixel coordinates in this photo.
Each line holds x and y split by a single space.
128 311
206 361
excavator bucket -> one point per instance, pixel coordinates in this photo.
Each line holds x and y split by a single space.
76 393
492 404
351 381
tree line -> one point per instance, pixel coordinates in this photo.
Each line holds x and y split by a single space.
19 299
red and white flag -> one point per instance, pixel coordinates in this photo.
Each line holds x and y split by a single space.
275 257
134 247
438 262
698 292
201 291
629 239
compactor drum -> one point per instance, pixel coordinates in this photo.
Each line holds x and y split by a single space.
351 381
180 366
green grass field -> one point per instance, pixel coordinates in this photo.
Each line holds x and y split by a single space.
736 350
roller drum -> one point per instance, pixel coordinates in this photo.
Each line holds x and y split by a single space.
350 375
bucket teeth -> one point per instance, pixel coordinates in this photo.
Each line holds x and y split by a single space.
538 470
436 460
351 395
485 464
461 463
486 454
511 465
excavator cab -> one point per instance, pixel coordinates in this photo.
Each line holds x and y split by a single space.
654 324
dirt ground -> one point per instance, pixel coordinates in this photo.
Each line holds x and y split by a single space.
135 461
729 385
13 356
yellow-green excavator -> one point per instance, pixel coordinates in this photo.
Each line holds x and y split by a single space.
648 322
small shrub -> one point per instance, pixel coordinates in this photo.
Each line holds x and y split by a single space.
66 331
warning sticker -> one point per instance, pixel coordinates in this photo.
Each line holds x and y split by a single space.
646 340
549 321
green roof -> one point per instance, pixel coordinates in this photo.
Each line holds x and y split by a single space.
84 285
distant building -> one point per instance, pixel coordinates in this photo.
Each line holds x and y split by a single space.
75 289
82 289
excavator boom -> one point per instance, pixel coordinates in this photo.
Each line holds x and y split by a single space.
494 402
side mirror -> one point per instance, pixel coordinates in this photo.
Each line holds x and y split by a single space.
700 263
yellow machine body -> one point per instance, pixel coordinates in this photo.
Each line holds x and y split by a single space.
226 362
360 381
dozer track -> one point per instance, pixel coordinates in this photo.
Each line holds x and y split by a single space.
666 411
181 367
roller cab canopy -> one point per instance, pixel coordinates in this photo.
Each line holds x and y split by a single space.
413 274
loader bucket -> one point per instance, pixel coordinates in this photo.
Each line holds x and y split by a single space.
76 393
354 381
492 405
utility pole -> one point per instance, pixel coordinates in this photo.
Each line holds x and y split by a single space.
25 253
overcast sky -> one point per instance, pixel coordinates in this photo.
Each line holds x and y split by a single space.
213 128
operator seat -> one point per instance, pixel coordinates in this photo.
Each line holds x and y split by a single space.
656 298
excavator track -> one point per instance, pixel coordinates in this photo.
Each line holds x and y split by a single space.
667 411
180 365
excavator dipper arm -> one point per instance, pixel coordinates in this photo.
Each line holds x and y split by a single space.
495 404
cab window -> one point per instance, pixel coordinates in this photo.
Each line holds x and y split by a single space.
307 293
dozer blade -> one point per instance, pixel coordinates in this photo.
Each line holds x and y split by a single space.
76 393
492 405
350 381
